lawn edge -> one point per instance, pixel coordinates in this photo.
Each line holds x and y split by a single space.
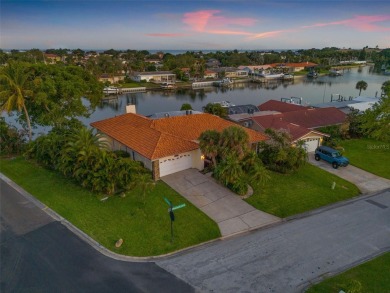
307 285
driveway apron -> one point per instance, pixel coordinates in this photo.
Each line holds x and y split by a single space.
228 210
367 182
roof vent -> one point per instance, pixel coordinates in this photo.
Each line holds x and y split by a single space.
166 114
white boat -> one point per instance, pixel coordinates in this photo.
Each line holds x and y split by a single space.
225 82
110 90
271 75
225 104
288 76
335 72
312 74
168 86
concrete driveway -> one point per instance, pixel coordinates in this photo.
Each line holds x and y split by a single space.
228 210
367 182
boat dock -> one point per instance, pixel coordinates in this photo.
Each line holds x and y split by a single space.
132 89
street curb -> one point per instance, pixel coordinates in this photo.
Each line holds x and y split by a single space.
333 206
304 286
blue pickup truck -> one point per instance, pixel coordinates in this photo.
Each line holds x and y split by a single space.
331 155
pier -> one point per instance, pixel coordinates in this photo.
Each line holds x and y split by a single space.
132 90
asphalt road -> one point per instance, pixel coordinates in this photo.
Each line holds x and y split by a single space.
39 254
288 257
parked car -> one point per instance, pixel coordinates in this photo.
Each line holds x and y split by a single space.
331 155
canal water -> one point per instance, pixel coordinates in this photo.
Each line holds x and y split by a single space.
312 91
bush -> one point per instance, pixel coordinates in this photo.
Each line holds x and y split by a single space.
12 140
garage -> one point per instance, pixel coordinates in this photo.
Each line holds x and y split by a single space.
173 164
311 144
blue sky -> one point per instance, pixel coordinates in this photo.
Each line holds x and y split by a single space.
192 25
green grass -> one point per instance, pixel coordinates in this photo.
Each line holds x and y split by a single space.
134 84
368 154
309 188
143 225
370 277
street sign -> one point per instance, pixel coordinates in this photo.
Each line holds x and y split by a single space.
179 206
171 214
168 202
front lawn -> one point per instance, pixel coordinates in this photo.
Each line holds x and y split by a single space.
307 189
372 276
368 154
143 225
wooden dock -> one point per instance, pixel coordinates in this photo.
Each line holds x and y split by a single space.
132 90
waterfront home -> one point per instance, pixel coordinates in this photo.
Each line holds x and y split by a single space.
111 78
210 74
155 76
301 122
167 144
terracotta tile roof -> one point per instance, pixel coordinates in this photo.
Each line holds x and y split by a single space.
273 105
163 137
276 122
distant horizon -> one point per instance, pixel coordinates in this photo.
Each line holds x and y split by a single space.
189 25
189 50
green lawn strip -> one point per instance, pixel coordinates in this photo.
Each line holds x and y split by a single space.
370 277
307 189
144 225
368 154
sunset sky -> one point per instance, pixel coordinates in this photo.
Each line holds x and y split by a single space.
194 25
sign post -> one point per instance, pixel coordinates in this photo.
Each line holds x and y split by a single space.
171 214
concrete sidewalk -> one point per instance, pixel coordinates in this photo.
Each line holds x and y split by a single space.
365 181
228 210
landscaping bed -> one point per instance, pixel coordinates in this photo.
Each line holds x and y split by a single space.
309 188
372 276
368 154
143 224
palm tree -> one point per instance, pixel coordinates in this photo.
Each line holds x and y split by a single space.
209 144
14 81
234 140
361 85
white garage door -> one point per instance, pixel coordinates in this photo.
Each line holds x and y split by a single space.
311 144
175 164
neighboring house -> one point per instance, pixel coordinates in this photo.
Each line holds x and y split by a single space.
52 58
212 63
294 67
252 69
230 72
273 105
311 138
164 145
112 79
155 76
210 74
300 121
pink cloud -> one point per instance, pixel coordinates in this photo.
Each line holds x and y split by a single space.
199 19
269 34
166 35
365 23
207 21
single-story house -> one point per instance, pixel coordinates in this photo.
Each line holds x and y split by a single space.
53 58
112 79
294 67
311 138
300 121
210 74
165 145
155 76
282 107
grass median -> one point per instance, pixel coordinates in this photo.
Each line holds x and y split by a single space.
307 189
372 276
143 223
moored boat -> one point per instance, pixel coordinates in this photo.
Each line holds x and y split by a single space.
335 72
109 90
